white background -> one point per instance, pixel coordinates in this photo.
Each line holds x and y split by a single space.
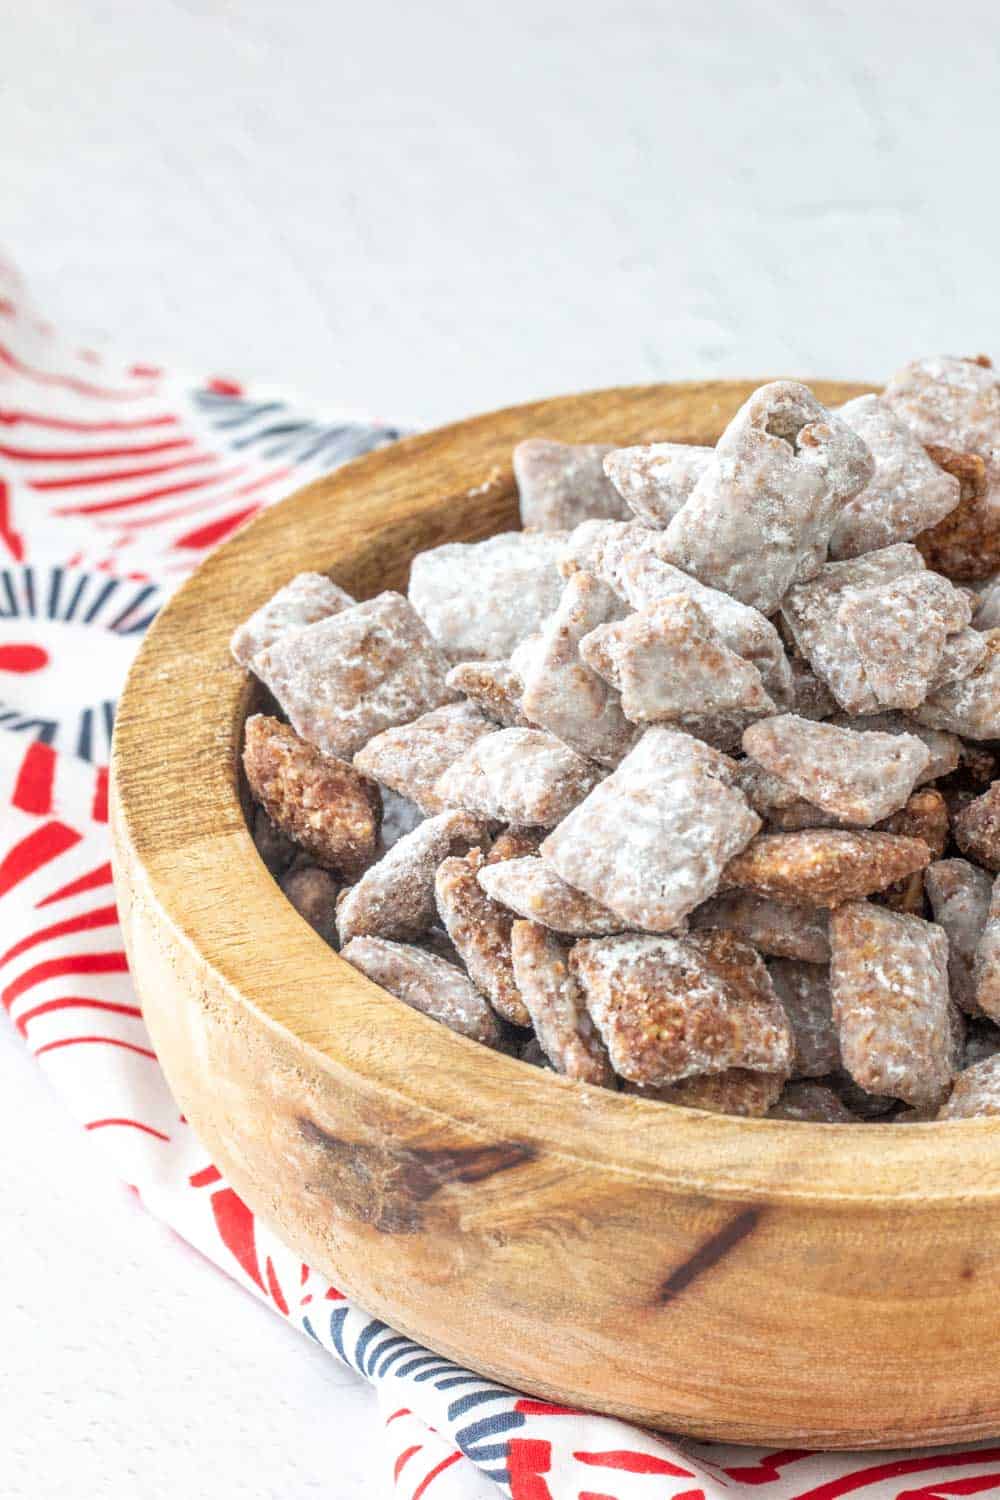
422 210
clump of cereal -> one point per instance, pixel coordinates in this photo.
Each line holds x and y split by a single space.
479 599
532 888
672 1008
562 484
313 892
520 776
395 897
976 1094
946 750
652 839
656 479
480 930
804 991
308 598
348 677
515 843
427 983
552 996
924 817
495 687
900 631
889 980
977 829
560 691
859 777
959 894
970 708
669 664
966 544
761 518
734 1092
824 866
986 968
813 1102
907 493
321 803
411 757
772 927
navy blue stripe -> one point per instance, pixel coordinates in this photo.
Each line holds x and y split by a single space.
84 739
8 588
370 1331
109 588
409 1347
140 598
310 1329
46 729
143 624
75 597
488 1453
416 1364
337 1320
108 709
476 1398
455 1380
8 713
29 590
489 1427
443 1367
55 589
387 1348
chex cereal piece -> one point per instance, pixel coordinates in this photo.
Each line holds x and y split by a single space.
669 663
735 1092
971 707
313 892
494 687
977 829
959 894
479 599
321 803
976 1095
810 611
907 493
858 776
949 399
363 670
824 866
773 927
275 848
308 598
804 991
520 776
630 559
515 843
760 518
899 630
986 968
960 657
945 749
657 478
395 897
673 1008
427 983
550 991
811 699
652 839
924 817
561 693
813 1102
562 484
586 543
411 757
966 544
889 980
480 929
982 1040
532 888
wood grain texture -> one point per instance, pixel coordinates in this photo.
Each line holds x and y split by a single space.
752 1280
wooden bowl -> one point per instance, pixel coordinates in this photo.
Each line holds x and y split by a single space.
751 1280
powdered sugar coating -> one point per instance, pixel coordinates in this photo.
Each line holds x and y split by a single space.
735 1092
970 708
976 1095
760 518
812 1102
494 687
321 803
480 929
986 966
810 610
554 1001
520 776
899 630
532 888
889 979
860 777
427 983
907 493
966 544
668 663
672 1008
652 839
656 479
355 673
987 611
630 559
772 927
959 894
977 829
410 757
307 598
561 693
479 599
514 843
960 656
804 991
824 866
562 484
395 897
945 749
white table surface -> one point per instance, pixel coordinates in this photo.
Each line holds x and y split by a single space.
426 210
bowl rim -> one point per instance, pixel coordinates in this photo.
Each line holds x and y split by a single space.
179 815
